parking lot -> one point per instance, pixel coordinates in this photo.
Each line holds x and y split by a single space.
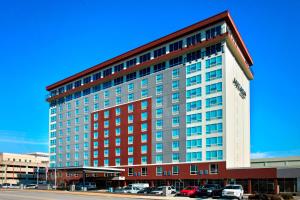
7 194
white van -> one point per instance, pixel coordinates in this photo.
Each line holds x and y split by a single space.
139 185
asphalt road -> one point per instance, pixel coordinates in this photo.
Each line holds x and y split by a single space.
37 195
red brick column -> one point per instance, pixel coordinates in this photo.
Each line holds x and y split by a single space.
276 189
249 186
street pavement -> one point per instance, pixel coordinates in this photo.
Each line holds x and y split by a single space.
50 195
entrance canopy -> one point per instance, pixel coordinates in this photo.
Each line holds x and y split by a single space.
87 169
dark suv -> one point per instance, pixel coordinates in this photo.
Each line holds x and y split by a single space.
209 190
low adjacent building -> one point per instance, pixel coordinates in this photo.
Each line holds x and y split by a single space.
23 168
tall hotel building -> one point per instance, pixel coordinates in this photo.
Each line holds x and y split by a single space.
177 108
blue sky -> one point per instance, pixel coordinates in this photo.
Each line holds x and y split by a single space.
42 42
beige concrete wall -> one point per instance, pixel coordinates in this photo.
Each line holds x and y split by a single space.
237 115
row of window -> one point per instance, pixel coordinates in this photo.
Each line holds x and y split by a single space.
117 161
194 170
129 77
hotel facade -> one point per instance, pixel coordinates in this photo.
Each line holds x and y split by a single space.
173 111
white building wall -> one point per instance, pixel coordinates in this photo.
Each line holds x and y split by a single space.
237 114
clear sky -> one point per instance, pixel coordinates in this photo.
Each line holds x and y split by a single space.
44 41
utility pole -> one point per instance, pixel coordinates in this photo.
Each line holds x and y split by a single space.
55 177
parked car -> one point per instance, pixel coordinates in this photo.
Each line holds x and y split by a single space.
159 190
131 189
189 191
146 190
209 190
88 185
14 186
6 185
31 186
236 191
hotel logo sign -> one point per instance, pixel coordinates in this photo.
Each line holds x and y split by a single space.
239 88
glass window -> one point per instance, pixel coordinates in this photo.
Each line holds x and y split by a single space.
175 157
118 91
175 145
159 158
175 73
118 100
144 83
214 141
106 124
118 131
159 89
130 160
106 143
144 138
118 111
193 118
159 78
144 116
175 109
144 93
144 160
175 85
175 170
159 147
159 171
159 113
130 129
193 80
130 139
175 133
144 127
213 62
106 153
130 87
213 75
193 68
144 105
214 114
193 106
130 118
194 131
214 128
214 101
159 135
196 143
159 101
117 161
213 88
131 97
106 162
117 151
214 155
175 121
118 141
130 150
159 124
144 148
175 97
106 133
130 108
194 156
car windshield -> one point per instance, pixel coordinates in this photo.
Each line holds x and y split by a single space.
235 187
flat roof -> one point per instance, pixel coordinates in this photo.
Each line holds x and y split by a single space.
224 16
276 159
